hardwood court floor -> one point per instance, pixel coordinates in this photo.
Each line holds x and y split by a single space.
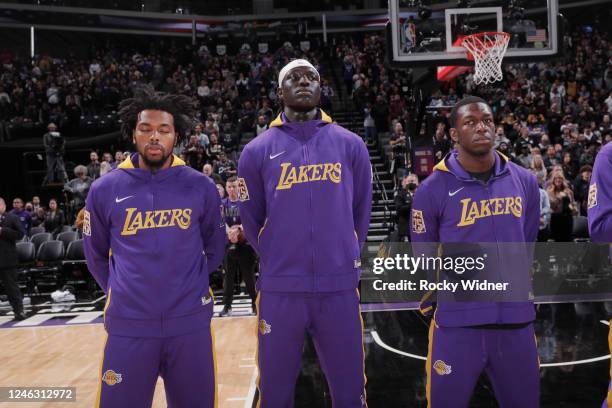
57 356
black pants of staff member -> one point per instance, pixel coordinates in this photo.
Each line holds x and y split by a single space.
238 258
11 289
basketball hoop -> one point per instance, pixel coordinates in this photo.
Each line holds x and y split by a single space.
487 50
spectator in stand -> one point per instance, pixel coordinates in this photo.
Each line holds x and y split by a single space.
93 168
78 187
523 140
247 117
107 157
225 167
35 203
369 124
194 153
55 219
537 167
569 166
208 170
581 188
544 143
524 158
211 127
327 93
118 158
398 148
504 148
25 218
544 229
266 111
563 208
214 148
228 139
262 125
38 217
587 158
552 157
202 137
441 142
106 167
500 137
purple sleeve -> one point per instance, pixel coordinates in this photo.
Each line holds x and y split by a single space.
424 221
532 210
252 197
600 199
212 227
96 239
362 192
424 234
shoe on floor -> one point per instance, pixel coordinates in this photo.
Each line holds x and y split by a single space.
227 311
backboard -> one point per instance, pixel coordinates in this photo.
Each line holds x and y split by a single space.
428 32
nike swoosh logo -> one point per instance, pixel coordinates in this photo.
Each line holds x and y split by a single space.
455 192
274 156
118 200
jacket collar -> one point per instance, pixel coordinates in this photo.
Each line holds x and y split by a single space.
281 119
451 165
129 163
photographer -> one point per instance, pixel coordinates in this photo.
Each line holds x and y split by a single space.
403 205
54 149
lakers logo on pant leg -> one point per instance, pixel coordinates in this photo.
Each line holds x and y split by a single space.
264 327
442 368
111 378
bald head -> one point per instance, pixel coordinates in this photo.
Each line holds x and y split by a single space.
2 206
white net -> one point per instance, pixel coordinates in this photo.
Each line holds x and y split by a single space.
488 50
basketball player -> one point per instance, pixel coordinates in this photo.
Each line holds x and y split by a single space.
600 213
305 200
153 232
478 195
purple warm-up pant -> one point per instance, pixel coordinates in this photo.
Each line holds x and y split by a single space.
131 366
458 355
333 320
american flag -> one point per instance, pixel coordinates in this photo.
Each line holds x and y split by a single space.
534 35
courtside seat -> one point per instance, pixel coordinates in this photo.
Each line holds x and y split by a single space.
38 239
67 237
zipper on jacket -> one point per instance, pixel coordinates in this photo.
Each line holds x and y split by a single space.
312 257
153 191
489 196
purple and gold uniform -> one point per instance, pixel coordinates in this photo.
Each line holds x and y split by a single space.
305 198
466 338
151 240
600 214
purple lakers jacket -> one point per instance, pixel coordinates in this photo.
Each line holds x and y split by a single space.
452 207
600 197
305 200
151 240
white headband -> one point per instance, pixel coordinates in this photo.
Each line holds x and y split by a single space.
294 64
